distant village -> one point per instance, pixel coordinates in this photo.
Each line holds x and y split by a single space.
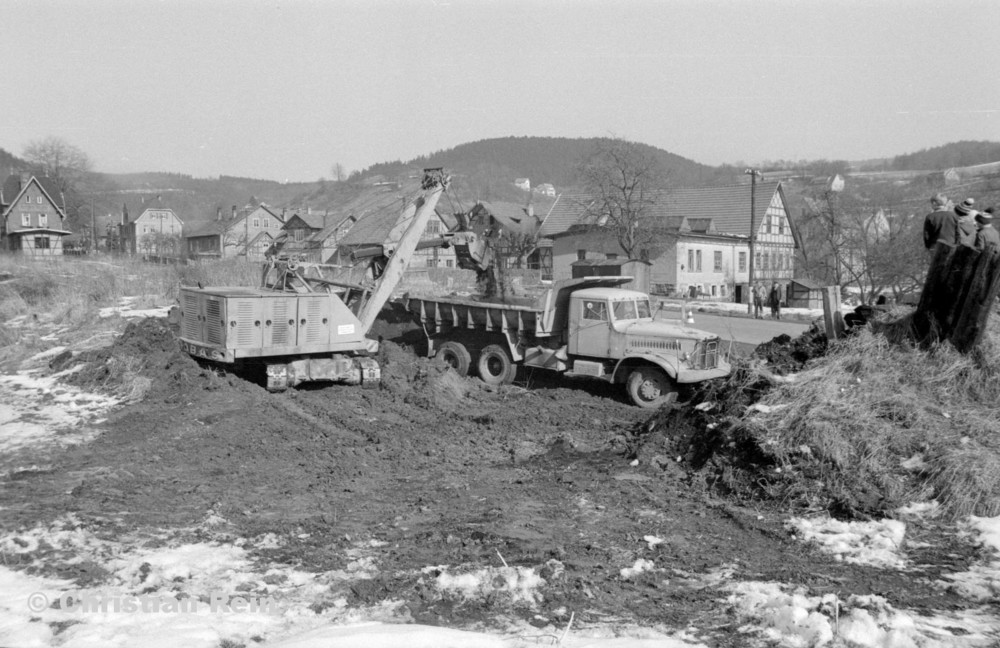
706 252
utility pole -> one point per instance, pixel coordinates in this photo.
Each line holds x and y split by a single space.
754 174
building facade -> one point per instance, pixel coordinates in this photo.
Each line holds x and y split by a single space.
33 216
699 239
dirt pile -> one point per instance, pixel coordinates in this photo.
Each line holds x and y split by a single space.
425 382
144 355
785 355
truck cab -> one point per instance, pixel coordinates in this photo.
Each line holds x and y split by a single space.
615 334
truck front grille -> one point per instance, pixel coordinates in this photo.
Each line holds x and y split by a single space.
638 343
706 354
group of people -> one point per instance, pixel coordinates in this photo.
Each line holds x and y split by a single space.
761 297
960 224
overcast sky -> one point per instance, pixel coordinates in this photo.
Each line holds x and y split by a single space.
285 89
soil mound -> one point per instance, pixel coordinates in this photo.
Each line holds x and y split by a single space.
146 353
425 382
785 355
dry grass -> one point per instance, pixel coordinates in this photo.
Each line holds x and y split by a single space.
63 296
847 425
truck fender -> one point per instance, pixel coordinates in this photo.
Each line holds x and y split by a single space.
622 368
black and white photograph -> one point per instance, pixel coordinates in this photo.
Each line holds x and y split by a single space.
499 324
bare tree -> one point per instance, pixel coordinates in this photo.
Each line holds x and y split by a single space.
58 159
864 239
339 172
624 182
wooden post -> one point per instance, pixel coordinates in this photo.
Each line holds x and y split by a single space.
833 318
961 287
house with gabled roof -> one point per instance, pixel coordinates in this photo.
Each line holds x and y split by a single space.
156 231
32 216
702 242
237 235
303 240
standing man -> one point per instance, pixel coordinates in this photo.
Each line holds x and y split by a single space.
940 224
987 235
774 301
965 223
758 300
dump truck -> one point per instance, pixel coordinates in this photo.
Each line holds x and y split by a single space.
309 321
588 327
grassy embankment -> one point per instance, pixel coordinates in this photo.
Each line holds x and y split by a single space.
48 302
874 424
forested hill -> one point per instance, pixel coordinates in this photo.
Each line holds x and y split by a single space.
955 154
541 159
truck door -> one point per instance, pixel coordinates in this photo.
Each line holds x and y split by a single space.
590 328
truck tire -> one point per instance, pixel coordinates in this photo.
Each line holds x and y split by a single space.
650 387
495 367
456 355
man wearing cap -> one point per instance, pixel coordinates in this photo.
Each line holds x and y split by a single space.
987 235
939 225
965 223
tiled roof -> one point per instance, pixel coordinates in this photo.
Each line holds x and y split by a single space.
205 228
728 207
512 217
14 184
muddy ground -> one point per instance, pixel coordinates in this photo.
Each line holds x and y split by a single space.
443 471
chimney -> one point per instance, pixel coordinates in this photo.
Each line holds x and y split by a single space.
218 213
233 217
309 211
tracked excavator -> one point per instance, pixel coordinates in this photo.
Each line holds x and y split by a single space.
310 321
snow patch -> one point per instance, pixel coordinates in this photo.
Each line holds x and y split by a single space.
863 543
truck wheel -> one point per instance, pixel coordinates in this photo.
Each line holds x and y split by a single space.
495 367
456 355
650 388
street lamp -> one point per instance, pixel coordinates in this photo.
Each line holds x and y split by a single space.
754 174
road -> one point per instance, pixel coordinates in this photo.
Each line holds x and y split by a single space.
747 330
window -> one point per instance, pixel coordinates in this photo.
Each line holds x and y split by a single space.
781 225
743 261
38 200
767 260
713 290
256 222
717 260
431 263
722 290
43 220
300 234
756 261
449 263
768 218
41 242
25 219
433 227
27 199
266 223
690 260
581 255
624 310
595 310
611 256
697 260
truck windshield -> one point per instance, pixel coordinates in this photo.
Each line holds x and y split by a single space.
631 309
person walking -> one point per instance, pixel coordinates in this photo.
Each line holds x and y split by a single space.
987 235
774 301
965 223
939 225
758 301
